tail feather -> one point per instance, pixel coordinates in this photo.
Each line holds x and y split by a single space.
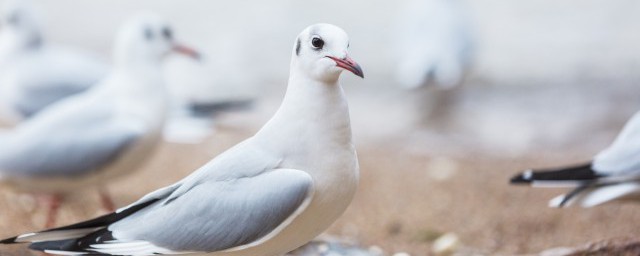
557 202
572 176
77 230
609 193
566 198
82 245
590 196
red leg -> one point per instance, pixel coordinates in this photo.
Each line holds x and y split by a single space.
105 199
53 204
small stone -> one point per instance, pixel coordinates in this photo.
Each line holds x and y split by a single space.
323 248
446 244
557 251
442 168
376 251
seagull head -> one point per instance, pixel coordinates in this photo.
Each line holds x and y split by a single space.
322 52
20 25
147 38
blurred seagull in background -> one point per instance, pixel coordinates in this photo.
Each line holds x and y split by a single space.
266 196
102 133
197 100
434 44
33 73
613 174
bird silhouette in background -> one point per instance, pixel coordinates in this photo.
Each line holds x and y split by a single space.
108 131
434 49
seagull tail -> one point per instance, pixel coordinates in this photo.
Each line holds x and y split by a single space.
608 193
596 196
574 176
212 108
73 246
569 198
64 237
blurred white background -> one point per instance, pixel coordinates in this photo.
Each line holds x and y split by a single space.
565 65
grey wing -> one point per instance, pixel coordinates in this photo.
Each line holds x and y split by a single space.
33 100
215 216
74 142
59 73
621 158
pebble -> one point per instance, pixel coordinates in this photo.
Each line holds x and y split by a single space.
446 244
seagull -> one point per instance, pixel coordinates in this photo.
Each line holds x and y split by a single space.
614 173
267 195
33 73
102 133
434 44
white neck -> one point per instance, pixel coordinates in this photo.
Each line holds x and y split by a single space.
140 79
312 112
11 47
137 91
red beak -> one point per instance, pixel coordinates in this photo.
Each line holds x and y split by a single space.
348 64
188 51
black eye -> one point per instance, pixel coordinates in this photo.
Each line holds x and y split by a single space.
148 33
167 33
317 43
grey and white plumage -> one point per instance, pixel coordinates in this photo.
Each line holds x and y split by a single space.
72 139
613 174
265 196
434 44
34 73
86 133
105 132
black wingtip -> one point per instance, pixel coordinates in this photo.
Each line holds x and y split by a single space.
523 178
79 245
581 173
52 245
9 240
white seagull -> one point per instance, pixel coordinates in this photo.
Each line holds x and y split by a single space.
33 73
266 196
105 132
613 174
434 44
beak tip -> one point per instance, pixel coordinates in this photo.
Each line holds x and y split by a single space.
188 52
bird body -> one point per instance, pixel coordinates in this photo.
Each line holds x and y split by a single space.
92 137
83 123
267 195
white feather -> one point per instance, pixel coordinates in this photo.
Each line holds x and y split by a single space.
64 252
133 248
54 235
608 193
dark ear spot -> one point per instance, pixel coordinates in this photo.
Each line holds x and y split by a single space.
148 33
298 47
167 33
